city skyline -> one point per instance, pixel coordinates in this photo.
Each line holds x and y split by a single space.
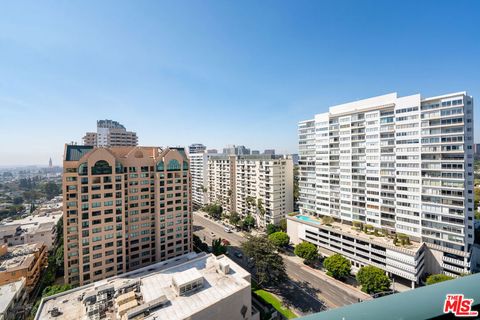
229 69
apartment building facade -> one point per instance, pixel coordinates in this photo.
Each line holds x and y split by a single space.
198 169
124 208
22 261
196 148
110 134
221 181
257 185
264 188
400 164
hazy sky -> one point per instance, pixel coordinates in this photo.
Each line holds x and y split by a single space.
217 72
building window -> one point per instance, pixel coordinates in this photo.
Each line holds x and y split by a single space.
101 167
173 165
185 165
83 169
160 166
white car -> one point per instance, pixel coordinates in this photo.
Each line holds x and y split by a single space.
227 230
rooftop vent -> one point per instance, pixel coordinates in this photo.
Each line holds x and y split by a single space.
187 281
223 267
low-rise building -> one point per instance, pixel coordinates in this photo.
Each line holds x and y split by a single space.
12 300
22 261
41 228
193 286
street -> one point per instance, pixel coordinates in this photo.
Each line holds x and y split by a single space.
305 292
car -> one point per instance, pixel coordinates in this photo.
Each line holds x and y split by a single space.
212 234
227 230
205 215
239 255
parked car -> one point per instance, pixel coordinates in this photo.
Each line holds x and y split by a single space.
227 230
239 255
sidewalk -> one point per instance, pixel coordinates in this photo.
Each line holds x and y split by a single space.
353 291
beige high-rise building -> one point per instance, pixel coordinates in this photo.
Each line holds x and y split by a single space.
257 185
110 134
124 208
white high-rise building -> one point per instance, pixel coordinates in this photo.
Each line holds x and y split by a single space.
264 187
198 170
398 165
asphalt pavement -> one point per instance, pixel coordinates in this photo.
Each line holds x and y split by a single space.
304 291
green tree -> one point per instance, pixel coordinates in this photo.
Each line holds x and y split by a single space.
267 263
17 200
260 207
248 222
373 279
199 245
218 247
214 210
271 228
51 190
307 251
279 239
337 266
327 220
234 218
283 224
436 278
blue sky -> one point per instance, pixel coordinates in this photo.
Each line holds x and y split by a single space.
217 72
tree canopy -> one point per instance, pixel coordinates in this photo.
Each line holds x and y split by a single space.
268 264
218 247
214 210
199 245
248 222
271 228
307 251
337 266
234 218
373 279
279 239
436 278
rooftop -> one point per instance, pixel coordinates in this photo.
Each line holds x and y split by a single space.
154 290
349 230
19 257
38 223
8 293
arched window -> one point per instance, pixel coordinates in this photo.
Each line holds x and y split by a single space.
83 169
185 165
101 167
173 165
118 167
160 166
